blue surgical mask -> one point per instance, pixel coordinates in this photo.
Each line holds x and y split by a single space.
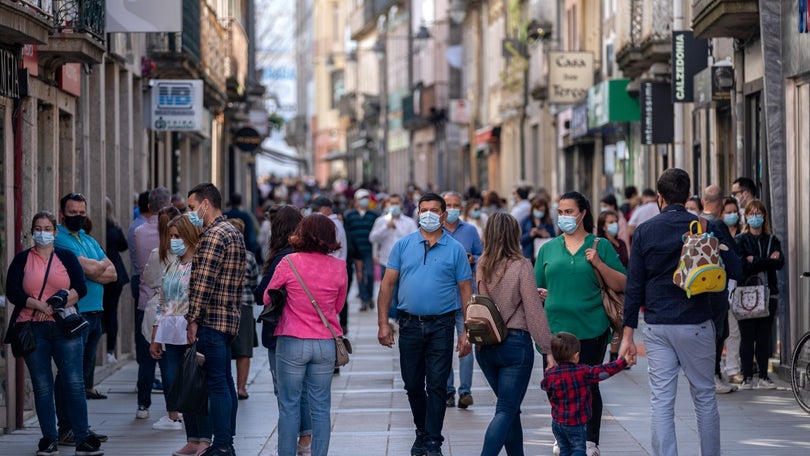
364 203
430 221
476 214
395 210
538 214
178 247
453 215
43 238
731 219
755 221
613 228
195 218
567 223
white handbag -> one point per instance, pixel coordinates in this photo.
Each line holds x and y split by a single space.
750 300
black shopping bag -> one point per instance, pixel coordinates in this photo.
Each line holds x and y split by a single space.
190 388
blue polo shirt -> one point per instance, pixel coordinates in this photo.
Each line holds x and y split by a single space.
429 276
467 236
82 245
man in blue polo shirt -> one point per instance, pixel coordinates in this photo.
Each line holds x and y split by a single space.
433 274
98 270
467 236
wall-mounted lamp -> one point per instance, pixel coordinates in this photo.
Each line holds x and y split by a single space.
723 74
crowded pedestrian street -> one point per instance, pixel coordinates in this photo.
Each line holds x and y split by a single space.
370 414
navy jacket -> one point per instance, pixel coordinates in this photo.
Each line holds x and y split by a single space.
527 240
16 272
656 251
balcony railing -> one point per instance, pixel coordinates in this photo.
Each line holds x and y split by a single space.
213 38
25 21
79 16
650 37
725 18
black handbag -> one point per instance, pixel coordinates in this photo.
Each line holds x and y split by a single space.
272 311
20 335
189 391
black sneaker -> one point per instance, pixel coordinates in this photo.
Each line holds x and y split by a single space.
47 447
451 400
89 447
418 448
211 451
100 437
66 438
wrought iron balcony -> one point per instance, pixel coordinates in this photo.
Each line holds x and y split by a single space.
26 21
725 18
78 35
650 37
213 54
177 55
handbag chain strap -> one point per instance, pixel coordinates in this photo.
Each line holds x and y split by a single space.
311 298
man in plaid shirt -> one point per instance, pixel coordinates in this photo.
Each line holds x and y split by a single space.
568 387
214 294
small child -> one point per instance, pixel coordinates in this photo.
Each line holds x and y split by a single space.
568 388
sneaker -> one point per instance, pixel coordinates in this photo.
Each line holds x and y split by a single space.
435 452
721 387
111 358
451 400
735 378
211 451
591 449
465 400
304 450
418 448
100 437
167 424
47 447
555 449
89 447
142 413
67 439
747 384
765 384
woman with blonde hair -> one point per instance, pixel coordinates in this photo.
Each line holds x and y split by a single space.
507 277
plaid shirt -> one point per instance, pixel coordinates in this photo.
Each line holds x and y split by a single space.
568 387
217 278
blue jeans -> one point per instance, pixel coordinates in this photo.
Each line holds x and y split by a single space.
173 357
508 368
222 405
392 311
146 365
306 418
570 439
671 348
366 284
93 336
425 359
305 368
465 364
66 352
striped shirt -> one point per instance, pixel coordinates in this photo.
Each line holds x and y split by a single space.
217 278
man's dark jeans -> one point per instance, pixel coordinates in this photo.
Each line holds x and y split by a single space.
146 364
222 401
94 333
425 359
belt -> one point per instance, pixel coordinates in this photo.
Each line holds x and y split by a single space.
410 316
93 312
517 332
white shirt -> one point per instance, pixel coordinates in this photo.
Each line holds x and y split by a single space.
643 213
521 210
343 253
385 237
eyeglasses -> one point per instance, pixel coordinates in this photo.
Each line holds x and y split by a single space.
733 193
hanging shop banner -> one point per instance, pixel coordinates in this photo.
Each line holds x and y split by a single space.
689 56
177 105
146 16
656 113
609 102
570 75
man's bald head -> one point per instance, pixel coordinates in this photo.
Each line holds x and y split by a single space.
713 200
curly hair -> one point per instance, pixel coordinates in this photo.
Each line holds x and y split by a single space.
315 234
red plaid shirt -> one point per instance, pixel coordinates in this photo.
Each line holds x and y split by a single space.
568 388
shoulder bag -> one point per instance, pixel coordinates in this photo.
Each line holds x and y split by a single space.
343 348
751 299
21 335
612 300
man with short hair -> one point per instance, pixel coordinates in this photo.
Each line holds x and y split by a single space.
358 223
522 204
679 333
467 236
236 211
179 201
214 294
645 211
743 189
434 277
98 270
146 238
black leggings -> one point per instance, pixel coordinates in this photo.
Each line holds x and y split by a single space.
109 319
592 352
755 341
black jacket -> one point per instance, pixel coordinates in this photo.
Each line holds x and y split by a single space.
16 273
757 247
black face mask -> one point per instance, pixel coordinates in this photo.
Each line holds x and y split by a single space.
74 222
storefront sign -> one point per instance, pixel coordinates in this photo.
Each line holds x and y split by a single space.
460 111
143 16
30 59
9 76
570 75
609 102
69 78
688 57
177 105
713 83
656 113
247 139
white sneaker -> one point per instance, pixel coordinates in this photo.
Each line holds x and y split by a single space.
555 449
747 384
111 358
721 387
591 449
142 413
167 424
765 384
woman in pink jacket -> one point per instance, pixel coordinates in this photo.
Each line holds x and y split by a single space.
305 351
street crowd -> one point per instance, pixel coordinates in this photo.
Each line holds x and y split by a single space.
199 267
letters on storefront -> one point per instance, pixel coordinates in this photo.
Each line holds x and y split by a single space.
688 57
570 75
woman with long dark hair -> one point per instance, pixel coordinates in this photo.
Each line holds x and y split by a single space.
573 298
